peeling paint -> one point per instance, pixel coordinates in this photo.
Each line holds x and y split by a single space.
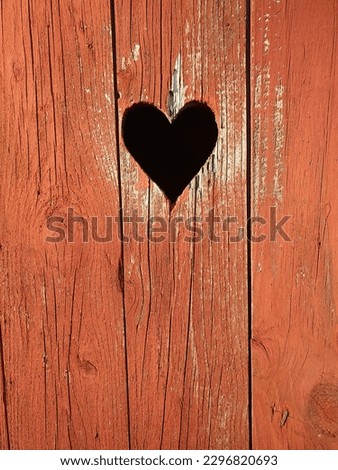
176 97
136 53
266 40
279 135
258 91
266 45
260 132
133 57
231 144
101 134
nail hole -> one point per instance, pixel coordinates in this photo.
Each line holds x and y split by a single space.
171 154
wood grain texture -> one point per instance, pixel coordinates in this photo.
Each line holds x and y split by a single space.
186 302
68 377
63 377
295 169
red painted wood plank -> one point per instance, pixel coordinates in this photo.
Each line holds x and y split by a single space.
67 307
63 380
294 169
186 303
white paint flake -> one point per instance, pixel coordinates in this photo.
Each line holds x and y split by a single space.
266 41
135 53
266 45
133 57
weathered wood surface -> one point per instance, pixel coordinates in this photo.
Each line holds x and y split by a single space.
144 343
63 379
186 303
111 345
295 169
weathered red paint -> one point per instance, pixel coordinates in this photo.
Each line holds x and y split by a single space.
294 168
143 344
110 345
186 329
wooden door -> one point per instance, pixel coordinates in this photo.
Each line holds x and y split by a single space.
130 322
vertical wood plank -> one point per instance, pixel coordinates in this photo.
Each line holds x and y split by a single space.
62 355
295 168
186 302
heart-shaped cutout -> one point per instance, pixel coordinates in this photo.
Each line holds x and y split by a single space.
170 153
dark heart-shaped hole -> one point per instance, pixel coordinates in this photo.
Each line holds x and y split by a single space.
170 153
